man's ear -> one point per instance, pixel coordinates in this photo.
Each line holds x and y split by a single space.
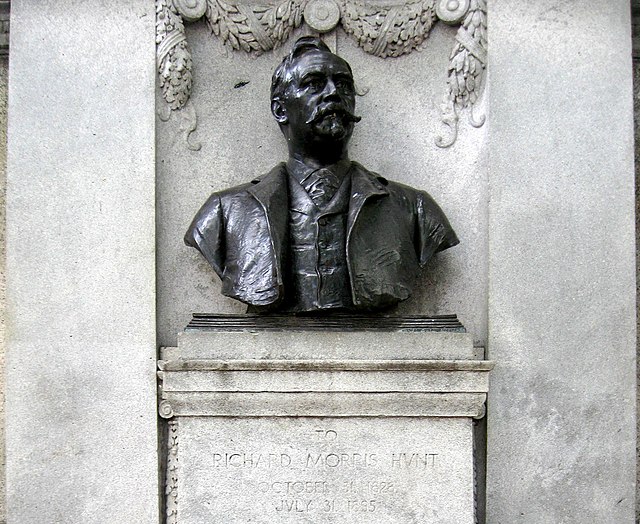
279 111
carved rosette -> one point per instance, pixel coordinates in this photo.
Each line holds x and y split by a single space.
165 410
191 10
384 28
452 11
322 15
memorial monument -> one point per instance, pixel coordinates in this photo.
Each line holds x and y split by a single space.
320 418
101 189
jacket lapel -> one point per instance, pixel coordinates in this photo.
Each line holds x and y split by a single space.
272 193
364 185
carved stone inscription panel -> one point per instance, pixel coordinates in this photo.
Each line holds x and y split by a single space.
323 470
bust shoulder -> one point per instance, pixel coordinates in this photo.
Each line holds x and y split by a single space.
395 189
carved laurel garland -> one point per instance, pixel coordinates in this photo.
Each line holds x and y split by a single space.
173 55
466 70
254 28
381 28
388 30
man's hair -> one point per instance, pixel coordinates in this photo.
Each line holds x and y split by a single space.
282 74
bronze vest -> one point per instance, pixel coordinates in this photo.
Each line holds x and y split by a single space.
318 275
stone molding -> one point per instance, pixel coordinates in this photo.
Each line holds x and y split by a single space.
330 388
234 376
171 474
635 28
354 345
382 28
325 365
245 381
5 10
321 404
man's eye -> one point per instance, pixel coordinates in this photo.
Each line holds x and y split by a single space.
344 85
314 83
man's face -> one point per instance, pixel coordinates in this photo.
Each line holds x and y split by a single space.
319 102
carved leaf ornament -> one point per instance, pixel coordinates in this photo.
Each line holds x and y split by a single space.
171 474
384 28
173 55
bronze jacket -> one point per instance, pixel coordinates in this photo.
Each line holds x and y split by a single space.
392 230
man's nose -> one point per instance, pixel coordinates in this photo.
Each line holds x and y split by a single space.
330 89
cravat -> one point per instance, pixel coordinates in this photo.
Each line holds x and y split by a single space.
321 185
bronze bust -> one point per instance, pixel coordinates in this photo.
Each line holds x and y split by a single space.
318 233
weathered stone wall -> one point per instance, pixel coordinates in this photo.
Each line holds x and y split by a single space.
636 119
561 409
636 111
3 121
4 76
80 340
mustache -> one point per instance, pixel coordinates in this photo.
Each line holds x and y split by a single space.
321 111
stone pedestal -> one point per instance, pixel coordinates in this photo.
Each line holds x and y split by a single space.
321 427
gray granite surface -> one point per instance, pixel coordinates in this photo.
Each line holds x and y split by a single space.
325 471
636 112
347 345
80 405
561 419
329 438
4 81
556 215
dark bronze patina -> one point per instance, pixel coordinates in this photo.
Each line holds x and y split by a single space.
318 233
